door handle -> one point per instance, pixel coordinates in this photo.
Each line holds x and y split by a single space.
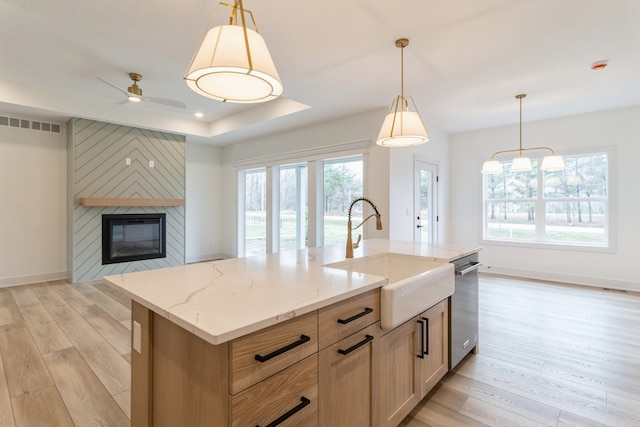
421 354
425 346
470 267
303 402
303 339
366 311
356 346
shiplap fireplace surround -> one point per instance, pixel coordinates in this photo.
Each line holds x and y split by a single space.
115 169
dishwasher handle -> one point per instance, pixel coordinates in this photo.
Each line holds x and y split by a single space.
468 268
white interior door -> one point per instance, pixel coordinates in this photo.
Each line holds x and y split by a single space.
425 202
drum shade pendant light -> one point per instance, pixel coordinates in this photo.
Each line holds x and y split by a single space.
232 62
521 163
402 127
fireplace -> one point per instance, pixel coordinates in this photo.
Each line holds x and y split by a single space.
133 237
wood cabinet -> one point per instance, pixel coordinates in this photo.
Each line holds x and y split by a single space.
288 398
332 367
181 380
261 354
413 358
348 380
436 358
399 372
348 339
344 318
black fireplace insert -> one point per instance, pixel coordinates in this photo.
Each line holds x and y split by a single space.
133 237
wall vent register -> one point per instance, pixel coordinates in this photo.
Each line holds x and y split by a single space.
15 122
133 237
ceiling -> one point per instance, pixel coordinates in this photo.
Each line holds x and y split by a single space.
466 61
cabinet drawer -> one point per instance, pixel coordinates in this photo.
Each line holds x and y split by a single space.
290 397
346 317
277 347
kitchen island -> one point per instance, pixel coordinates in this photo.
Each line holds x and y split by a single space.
196 327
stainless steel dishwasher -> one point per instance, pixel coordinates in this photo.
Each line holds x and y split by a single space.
463 309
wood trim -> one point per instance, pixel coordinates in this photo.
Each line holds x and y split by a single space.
141 368
104 201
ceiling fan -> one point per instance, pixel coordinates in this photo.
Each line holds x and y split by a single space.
134 92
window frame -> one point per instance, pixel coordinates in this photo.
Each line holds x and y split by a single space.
610 203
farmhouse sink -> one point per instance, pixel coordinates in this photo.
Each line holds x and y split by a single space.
414 283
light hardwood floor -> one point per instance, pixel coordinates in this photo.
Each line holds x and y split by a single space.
550 355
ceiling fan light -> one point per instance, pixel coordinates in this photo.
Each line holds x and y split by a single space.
402 129
552 163
491 167
223 70
521 164
134 98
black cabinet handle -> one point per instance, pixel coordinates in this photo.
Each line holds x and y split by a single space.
355 346
303 339
426 340
357 316
421 354
303 402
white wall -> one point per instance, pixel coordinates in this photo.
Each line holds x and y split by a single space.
33 228
401 178
204 202
619 128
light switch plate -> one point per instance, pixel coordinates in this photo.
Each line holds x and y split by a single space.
137 337
127 162
152 164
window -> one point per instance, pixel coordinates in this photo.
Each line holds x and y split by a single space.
293 229
568 207
255 212
293 203
342 184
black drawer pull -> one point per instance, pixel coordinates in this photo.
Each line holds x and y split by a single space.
426 333
421 354
357 316
355 346
303 339
303 402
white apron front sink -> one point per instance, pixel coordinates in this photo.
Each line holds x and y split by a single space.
414 283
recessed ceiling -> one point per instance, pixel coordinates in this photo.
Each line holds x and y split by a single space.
466 61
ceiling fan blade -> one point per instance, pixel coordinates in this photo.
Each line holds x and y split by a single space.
112 85
164 101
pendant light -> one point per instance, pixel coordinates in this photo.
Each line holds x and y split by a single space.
522 163
402 127
232 62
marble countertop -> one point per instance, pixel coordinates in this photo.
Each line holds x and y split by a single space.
222 300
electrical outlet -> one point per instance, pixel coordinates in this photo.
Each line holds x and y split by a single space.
152 164
127 162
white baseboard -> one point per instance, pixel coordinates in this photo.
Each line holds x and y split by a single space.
600 282
207 257
34 278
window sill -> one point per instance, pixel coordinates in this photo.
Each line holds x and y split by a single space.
550 246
